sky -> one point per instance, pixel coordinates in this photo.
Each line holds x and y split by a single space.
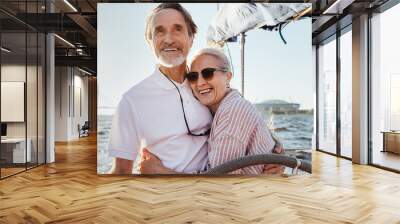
273 70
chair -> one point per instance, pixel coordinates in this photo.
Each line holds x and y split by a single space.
84 130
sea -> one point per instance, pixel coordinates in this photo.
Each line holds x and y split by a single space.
294 131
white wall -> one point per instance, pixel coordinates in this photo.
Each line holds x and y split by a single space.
70 84
12 73
62 81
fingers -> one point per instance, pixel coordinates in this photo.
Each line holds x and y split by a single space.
146 151
151 164
273 169
278 149
146 155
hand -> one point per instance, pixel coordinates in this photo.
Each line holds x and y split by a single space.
151 164
122 166
274 168
278 148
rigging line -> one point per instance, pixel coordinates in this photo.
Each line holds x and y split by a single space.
280 33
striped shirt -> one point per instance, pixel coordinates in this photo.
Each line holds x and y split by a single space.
238 130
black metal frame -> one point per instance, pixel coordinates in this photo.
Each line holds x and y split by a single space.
37 164
26 90
333 37
369 83
317 96
338 74
0 91
340 31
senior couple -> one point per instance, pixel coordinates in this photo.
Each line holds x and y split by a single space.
185 120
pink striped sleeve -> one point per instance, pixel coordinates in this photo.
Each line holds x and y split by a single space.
231 141
226 148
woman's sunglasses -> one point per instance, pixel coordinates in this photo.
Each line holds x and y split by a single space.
207 73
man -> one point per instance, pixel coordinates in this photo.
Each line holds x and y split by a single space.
159 112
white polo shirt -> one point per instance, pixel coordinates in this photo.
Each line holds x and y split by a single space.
150 115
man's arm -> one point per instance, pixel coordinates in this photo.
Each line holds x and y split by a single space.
124 140
122 166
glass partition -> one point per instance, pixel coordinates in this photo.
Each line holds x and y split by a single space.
346 94
327 96
14 153
385 89
22 90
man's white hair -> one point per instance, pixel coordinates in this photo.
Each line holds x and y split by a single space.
216 53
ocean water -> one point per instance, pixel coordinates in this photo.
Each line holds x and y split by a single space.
293 130
104 163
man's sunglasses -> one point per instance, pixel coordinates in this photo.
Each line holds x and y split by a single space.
207 73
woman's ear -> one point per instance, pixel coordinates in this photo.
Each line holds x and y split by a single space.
229 76
228 79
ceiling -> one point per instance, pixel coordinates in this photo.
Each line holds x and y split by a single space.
76 22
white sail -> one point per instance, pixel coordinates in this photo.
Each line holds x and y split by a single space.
233 19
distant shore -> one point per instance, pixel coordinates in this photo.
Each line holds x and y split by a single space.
307 112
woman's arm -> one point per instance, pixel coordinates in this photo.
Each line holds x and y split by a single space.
278 149
151 164
225 148
240 131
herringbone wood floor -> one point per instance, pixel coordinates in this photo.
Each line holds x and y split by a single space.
70 191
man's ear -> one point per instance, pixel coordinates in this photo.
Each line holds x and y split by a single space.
191 38
150 44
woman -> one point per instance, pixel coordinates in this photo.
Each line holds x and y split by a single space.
238 129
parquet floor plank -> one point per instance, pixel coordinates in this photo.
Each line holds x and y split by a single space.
70 191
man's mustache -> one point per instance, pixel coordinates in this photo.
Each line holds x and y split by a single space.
170 46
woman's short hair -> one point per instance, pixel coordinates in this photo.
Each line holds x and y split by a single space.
215 52
191 26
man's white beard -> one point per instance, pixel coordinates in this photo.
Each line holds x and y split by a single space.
170 62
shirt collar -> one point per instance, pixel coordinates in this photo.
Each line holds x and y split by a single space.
233 94
163 81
